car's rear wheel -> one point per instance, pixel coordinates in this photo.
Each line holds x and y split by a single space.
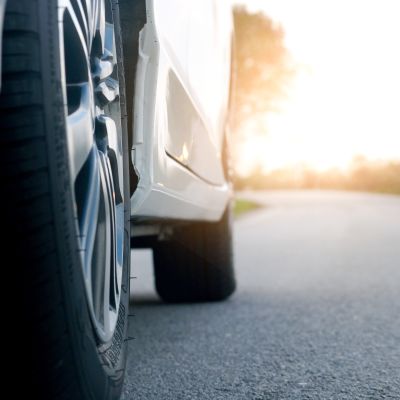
66 178
196 263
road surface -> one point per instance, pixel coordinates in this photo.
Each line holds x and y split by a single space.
316 314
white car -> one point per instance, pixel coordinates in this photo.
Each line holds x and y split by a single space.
114 134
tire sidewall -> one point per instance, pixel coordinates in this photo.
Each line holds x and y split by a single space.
99 367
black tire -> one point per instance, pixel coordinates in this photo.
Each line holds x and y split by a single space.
68 361
196 264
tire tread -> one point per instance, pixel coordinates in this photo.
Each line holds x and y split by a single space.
25 175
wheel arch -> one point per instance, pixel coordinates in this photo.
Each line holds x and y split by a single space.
133 18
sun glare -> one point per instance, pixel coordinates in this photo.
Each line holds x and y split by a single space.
345 99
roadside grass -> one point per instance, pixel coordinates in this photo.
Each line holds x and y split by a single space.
243 206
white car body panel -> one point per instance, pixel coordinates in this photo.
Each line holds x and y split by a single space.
181 101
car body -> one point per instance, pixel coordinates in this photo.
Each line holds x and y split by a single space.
183 70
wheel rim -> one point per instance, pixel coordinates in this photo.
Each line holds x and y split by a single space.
94 136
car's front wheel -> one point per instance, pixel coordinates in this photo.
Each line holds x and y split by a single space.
65 177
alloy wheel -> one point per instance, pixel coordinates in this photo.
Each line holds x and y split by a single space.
94 136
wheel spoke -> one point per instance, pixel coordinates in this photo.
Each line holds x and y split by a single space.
80 129
75 20
113 296
101 25
119 250
106 127
109 238
89 211
98 265
92 7
109 42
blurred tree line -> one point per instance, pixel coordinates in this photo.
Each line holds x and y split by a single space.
262 74
363 175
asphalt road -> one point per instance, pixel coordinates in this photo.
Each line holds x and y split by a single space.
316 314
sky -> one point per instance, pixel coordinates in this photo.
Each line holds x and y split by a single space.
345 100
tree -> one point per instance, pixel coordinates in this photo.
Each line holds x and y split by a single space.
263 66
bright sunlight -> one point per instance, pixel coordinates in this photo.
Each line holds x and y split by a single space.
344 99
